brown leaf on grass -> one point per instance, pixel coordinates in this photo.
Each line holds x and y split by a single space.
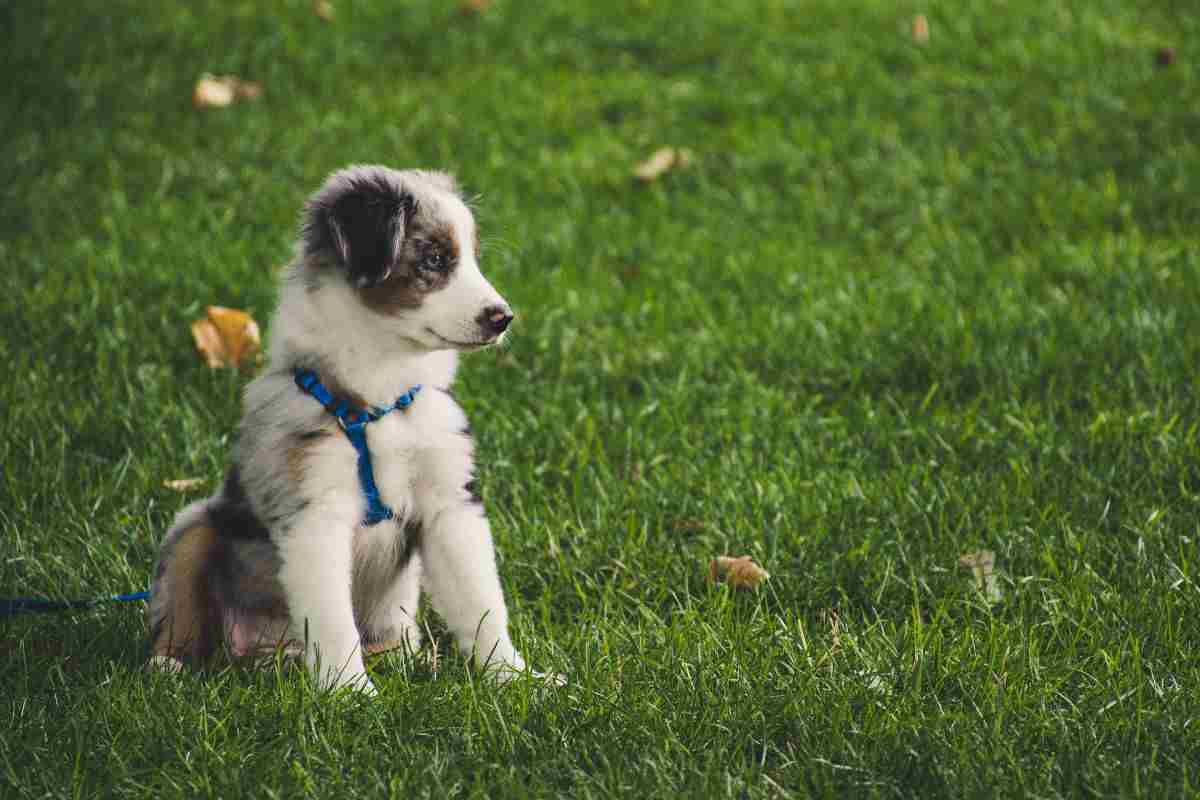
227 338
982 565
1164 56
323 9
218 91
379 648
920 29
470 8
212 92
248 90
184 484
661 161
740 572
831 616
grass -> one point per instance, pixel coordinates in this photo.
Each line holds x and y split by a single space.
907 302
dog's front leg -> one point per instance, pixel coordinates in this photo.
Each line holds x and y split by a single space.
317 555
460 572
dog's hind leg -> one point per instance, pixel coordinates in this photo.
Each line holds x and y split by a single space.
184 623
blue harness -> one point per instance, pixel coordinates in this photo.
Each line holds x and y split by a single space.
354 424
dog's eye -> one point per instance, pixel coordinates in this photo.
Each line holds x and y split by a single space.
435 261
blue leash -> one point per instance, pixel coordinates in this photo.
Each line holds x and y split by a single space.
10 607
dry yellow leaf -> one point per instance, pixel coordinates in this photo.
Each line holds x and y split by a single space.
213 91
982 565
920 29
323 9
208 342
660 161
184 484
740 572
227 338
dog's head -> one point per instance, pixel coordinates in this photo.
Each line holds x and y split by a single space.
405 243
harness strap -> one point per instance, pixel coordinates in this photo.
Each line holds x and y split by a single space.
354 425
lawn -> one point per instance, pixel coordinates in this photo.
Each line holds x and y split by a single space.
908 300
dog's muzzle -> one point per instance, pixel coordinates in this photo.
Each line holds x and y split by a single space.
494 320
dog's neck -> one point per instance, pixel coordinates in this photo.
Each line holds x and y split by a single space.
350 349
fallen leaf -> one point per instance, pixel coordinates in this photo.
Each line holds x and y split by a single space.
469 8
920 29
982 565
227 338
213 91
834 619
248 90
740 572
660 161
208 342
1164 56
379 648
184 484
323 9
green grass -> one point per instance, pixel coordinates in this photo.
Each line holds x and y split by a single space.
908 302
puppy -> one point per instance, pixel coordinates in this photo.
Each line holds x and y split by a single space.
296 552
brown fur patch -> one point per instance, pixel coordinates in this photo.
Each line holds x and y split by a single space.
442 237
191 626
343 393
409 283
400 292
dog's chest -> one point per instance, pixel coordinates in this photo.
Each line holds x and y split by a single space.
419 457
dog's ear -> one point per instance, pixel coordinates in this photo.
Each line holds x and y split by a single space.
360 221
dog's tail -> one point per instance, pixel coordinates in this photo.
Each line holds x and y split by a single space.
184 618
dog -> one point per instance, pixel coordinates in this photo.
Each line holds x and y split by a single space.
295 552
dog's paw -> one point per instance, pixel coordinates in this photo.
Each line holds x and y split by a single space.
165 664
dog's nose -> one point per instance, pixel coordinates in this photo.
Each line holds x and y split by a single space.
496 319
